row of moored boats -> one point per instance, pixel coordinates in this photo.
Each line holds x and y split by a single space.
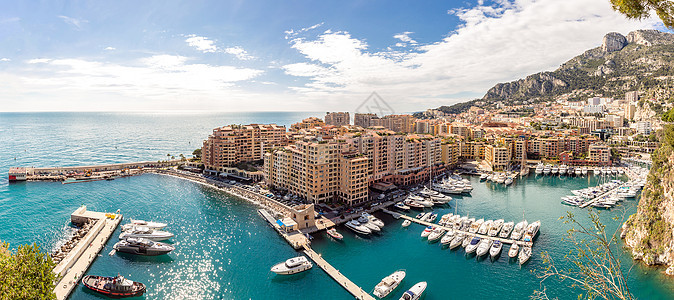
506 178
548 169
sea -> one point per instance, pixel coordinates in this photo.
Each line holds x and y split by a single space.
224 249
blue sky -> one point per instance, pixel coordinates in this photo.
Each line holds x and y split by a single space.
283 55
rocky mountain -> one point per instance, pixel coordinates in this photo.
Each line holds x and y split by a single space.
642 61
650 232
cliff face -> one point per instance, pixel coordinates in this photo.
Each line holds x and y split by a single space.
621 63
650 232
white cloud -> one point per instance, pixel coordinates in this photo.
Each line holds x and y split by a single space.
77 23
38 60
201 43
10 20
239 52
5 59
292 33
495 43
110 48
405 37
143 83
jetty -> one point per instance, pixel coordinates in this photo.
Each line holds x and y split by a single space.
70 270
595 199
347 284
484 236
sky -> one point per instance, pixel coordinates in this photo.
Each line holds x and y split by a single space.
284 55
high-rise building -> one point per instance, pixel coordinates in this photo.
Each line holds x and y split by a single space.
337 118
364 120
630 109
632 97
599 154
644 127
233 144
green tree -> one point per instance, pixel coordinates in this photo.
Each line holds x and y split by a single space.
26 274
594 266
197 153
641 9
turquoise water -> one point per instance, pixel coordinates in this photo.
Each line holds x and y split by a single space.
224 249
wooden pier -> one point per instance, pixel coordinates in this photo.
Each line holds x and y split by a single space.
351 287
595 199
71 269
483 236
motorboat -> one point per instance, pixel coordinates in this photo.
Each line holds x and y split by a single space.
547 169
448 237
292 266
475 226
554 170
466 223
373 219
357 227
441 199
431 217
571 171
153 225
532 231
415 292
436 234
146 233
579 171
401 206
117 287
427 231
141 246
518 230
508 181
501 178
389 284
490 177
483 247
563 169
425 202
413 204
495 227
407 223
539 169
506 229
421 215
371 226
457 240
472 246
334 234
445 219
466 240
485 227
495 249
484 176
525 254
514 249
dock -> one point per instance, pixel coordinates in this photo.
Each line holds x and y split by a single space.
483 236
595 199
71 269
347 284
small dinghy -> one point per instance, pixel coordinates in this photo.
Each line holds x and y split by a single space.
334 234
117 287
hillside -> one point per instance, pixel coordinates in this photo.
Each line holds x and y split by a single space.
643 60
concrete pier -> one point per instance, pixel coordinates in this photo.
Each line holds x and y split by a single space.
495 238
71 269
347 284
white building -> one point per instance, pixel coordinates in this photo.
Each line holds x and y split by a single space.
644 127
593 109
593 101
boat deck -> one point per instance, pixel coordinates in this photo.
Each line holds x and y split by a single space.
347 284
502 240
77 262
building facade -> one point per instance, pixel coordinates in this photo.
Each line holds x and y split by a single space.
234 144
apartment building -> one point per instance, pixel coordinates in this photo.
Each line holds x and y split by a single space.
337 118
498 156
364 120
308 123
599 154
229 145
397 123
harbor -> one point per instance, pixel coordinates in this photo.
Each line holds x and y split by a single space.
78 260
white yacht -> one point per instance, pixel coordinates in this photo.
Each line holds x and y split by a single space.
427 231
501 178
508 181
466 240
495 227
579 171
372 219
292 266
447 238
539 169
407 223
146 233
483 247
525 254
389 284
507 228
484 176
490 177
436 234
457 240
554 170
150 224
357 227
371 226
475 226
485 227
495 249
563 169
472 246
531 231
547 169
518 231
415 292
514 249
